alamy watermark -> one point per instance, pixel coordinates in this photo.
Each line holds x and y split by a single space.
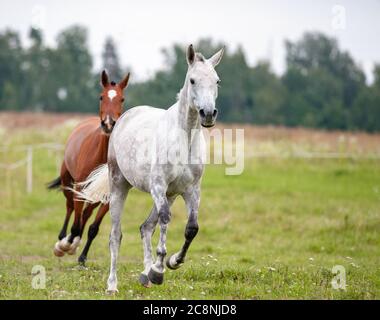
39 277
339 17
339 280
199 147
38 19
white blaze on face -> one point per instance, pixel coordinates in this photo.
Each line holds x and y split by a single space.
112 94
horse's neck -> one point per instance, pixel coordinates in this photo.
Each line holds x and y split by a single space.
187 118
103 141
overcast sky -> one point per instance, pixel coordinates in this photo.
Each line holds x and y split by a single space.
142 27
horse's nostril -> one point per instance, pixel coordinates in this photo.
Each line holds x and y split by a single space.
215 113
202 113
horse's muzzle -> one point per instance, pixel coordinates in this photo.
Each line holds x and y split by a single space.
208 118
107 124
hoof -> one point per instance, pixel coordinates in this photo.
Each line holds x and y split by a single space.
82 260
74 246
156 277
57 251
112 292
76 242
172 263
144 280
72 251
64 244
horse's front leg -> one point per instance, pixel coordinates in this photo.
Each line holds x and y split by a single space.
61 245
156 272
192 200
71 242
147 230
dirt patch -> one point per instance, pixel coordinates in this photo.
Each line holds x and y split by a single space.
340 141
23 120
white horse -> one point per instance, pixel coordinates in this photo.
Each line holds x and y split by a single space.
140 146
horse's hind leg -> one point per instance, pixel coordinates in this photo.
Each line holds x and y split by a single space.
74 244
67 180
92 232
87 212
192 199
119 190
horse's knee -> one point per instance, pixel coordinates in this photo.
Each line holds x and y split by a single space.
191 231
164 214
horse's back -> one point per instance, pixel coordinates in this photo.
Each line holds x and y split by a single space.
140 116
134 132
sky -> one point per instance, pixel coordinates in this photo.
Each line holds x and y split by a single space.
141 28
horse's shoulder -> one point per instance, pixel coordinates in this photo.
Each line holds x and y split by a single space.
138 114
144 109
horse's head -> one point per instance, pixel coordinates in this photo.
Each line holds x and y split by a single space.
111 101
203 84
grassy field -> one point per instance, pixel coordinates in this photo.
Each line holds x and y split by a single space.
274 232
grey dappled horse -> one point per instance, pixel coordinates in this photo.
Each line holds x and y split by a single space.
161 152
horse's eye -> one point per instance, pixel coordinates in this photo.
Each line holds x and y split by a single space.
219 81
192 81
122 99
101 98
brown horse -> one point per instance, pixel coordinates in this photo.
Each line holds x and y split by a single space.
86 149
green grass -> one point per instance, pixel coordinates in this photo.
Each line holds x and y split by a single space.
274 232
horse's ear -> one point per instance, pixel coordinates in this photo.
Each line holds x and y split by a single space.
105 80
124 83
190 56
215 59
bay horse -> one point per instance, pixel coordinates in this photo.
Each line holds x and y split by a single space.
85 150
161 152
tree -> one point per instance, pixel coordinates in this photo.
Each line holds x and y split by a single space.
36 66
268 95
73 87
323 82
366 108
11 73
322 86
111 60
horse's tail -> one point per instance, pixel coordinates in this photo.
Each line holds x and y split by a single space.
54 184
96 187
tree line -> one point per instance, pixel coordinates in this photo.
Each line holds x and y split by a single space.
322 86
